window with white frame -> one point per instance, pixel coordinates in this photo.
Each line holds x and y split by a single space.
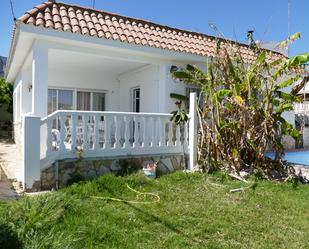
59 99
136 99
90 101
83 101
63 99
98 101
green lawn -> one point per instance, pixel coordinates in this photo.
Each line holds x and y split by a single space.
195 211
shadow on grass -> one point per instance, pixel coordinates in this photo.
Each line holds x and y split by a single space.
8 238
155 218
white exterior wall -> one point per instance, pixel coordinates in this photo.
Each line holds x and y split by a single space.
22 95
17 110
26 92
88 81
156 85
16 99
173 86
147 78
39 67
155 81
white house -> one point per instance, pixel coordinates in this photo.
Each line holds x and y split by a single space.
99 82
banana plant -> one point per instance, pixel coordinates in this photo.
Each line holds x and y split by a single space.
179 116
243 105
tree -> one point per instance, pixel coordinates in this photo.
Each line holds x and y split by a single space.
6 94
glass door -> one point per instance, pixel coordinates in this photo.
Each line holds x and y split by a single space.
83 101
98 102
136 99
59 100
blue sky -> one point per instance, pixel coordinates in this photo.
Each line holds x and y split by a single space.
232 17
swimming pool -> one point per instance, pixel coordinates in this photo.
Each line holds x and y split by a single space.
299 157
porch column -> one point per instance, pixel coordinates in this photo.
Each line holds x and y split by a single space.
39 80
192 132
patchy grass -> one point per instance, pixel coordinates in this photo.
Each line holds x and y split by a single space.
195 211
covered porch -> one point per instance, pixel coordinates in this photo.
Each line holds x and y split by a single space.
71 103
60 78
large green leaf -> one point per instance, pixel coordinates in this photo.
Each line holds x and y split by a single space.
287 96
288 129
283 107
297 60
286 83
261 59
179 97
223 93
294 61
179 117
183 75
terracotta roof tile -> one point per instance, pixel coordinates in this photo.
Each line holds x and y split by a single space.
30 20
40 21
101 24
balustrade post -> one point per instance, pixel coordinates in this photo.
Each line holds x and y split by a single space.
85 132
117 131
96 144
152 134
31 151
144 141
49 144
135 136
177 142
192 132
62 132
73 131
126 132
159 130
170 133
107 135
185 134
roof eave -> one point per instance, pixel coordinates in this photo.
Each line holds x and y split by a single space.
164 53
15 37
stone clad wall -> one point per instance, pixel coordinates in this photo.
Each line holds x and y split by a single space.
69 171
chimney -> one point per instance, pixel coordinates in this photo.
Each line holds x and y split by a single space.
250 39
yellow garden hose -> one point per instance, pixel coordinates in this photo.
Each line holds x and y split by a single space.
138 194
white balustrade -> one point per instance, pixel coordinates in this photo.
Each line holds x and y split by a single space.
106 134
301 108
68 134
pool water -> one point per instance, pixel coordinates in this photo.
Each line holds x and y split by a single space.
299 157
